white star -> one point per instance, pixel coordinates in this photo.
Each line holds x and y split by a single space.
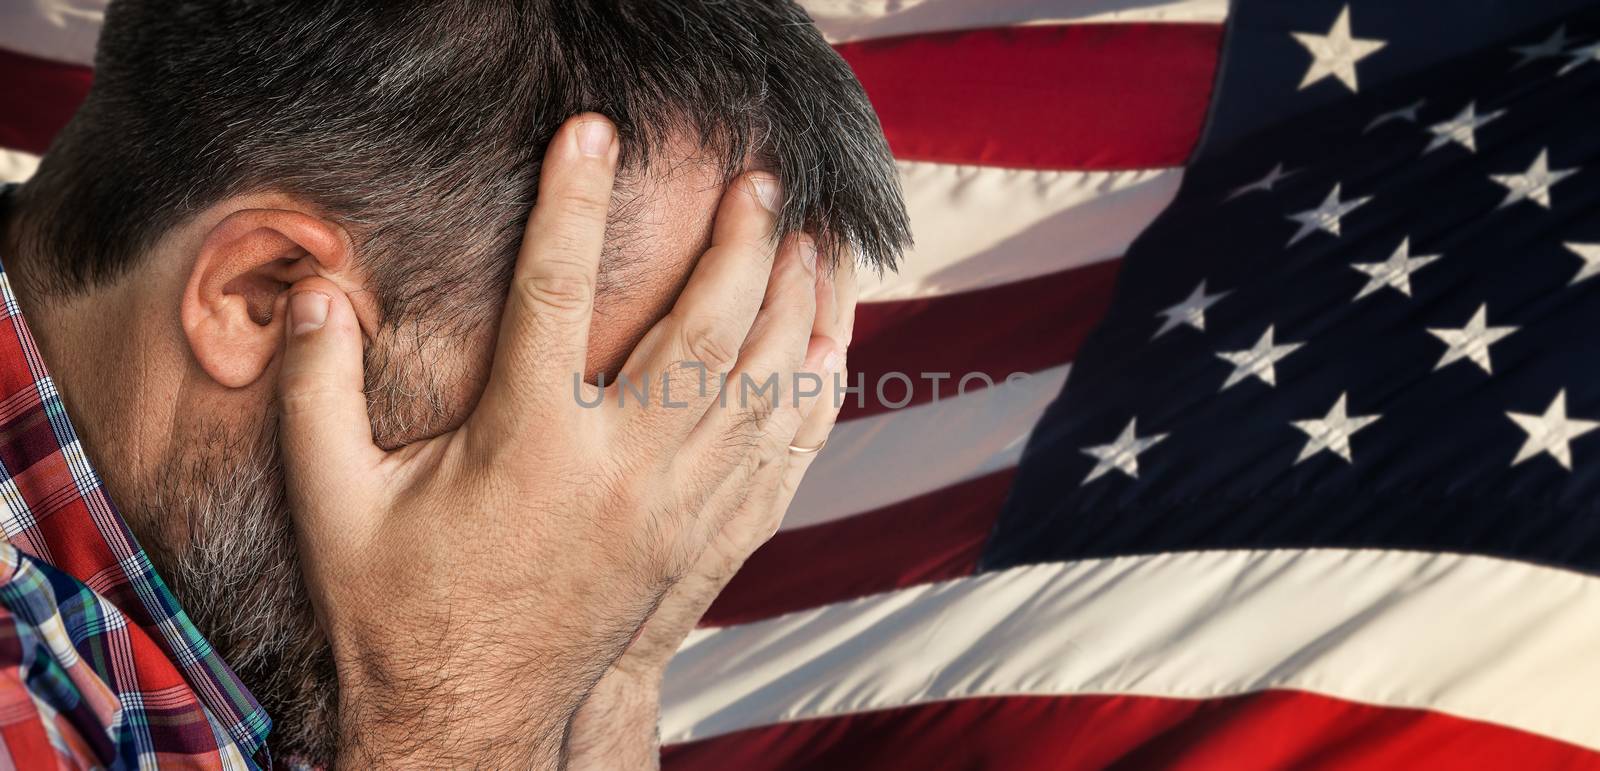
1258 361
1394 272
1191 311
1551 432
1553 46
1332 432
1460 129
1590 254
1336 53
1266 183
1407 114
1324 217
1533 184
1122 454
1472 341
1580 57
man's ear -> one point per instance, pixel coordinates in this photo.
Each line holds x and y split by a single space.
233 302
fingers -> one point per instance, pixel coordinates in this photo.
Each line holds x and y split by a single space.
758 495
699 341
836 321
779 373
544 334
323 425
786 452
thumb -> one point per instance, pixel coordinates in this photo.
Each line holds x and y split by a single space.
323 427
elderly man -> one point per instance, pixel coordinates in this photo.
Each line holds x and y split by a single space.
441 560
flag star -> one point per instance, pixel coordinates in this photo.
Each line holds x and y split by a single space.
1266 183
1192 311
1590 254
1460 129
1533 184
1122 454
1553 46
1336 53
1394 272
1551 432
1325 217
1407 114
1580 57
1333 431
1258 361
1472 341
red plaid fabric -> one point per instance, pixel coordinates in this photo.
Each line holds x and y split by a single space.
99 667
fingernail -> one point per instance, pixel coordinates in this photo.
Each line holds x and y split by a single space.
308 311
832 362
767 192
594 138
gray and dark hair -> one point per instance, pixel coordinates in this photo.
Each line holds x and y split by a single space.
419 126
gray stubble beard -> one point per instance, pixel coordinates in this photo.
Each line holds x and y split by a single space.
225 545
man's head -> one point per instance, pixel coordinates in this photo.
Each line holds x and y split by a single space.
230 147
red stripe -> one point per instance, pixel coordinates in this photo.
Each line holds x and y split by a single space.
1026 326
928 538
1092 96
1082 96
37 98
1270 730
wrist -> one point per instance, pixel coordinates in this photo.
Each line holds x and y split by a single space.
618 725
435 720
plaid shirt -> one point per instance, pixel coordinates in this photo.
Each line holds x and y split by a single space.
99 667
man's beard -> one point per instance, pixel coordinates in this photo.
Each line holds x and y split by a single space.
218 528
235 570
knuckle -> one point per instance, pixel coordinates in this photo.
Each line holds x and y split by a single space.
765 425
740 446
563 291
760 406
707 341
779 428
309 397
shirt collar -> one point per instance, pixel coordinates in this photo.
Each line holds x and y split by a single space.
82 533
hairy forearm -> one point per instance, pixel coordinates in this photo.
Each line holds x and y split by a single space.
478 742
388 749
453 723
617 729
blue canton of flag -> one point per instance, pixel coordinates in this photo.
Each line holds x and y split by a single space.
1371 318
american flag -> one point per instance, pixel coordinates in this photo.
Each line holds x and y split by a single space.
1322 490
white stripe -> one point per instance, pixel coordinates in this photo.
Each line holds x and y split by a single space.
1486 639
17 166
845 20
59 30
979 226
889 457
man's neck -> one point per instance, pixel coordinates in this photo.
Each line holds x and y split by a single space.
54 335
82 338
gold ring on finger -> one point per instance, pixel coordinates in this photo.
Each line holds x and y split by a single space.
798 450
